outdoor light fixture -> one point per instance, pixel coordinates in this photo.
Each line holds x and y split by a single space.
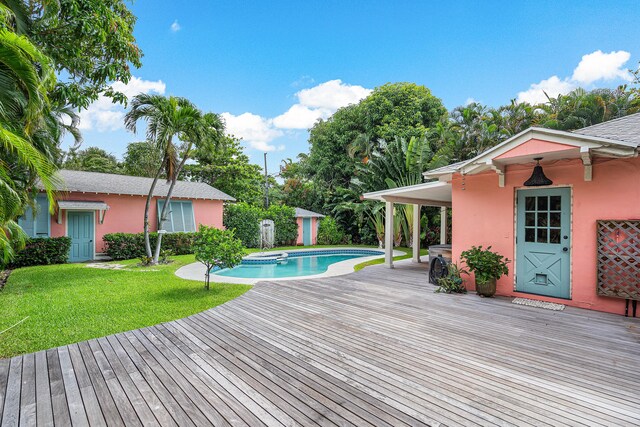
538 177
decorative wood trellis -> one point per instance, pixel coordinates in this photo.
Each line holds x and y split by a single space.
619 259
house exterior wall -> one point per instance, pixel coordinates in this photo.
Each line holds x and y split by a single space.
314 231
484 214
126 215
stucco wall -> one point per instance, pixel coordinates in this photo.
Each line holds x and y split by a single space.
483 214
126 214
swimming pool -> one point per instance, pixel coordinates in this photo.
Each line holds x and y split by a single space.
292 263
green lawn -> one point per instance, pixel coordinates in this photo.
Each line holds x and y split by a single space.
49 306
407 254
62 304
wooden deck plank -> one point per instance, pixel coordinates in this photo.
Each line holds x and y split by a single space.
11 410
44 408
376 347
4 376
28 391
61 415
72 391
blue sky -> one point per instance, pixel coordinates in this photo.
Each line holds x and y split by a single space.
273 67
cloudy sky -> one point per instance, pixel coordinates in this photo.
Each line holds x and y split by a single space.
273 68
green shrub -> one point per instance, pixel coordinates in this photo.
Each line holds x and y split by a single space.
217 248
284 218
43 251
330 233
244 219
129 245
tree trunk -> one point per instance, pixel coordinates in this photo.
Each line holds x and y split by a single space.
167 201
147 242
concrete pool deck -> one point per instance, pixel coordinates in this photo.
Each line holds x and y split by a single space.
196 270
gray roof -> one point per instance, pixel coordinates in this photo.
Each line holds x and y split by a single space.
303 213
625 129
106 183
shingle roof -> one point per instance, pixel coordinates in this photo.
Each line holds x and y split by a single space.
625 129
106 183
303 213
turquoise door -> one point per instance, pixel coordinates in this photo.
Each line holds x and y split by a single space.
543 244
80 229
306 231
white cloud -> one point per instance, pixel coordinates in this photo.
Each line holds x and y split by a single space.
602 66
332 95
318 102
175 27
301 117
470 101
552 86
104 116
593 67
255 130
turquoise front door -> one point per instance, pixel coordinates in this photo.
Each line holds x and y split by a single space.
80 229
543 244
306 231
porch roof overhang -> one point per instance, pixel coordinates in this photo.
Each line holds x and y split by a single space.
82 205
434 193
577 146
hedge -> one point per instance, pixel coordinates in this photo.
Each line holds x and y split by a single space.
129 246
43 251
245 220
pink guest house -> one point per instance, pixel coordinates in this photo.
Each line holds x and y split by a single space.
92 204
573 238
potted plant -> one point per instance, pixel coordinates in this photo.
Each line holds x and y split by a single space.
487 266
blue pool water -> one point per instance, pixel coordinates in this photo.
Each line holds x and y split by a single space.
296 265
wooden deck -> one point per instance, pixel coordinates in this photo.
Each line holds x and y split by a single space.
376 347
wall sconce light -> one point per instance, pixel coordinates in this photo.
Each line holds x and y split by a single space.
538 177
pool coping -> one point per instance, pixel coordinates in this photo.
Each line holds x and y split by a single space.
195 271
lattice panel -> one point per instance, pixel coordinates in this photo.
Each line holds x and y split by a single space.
619 258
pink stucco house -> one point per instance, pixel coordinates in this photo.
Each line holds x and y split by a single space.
307 226
568 240
91 204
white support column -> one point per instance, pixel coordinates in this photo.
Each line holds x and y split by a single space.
416 233
443 225
388 235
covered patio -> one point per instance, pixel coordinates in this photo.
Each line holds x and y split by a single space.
436 194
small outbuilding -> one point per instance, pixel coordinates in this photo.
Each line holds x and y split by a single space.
308 223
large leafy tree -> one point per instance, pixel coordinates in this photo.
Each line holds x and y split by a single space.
228 169
92 159
141 159
90 44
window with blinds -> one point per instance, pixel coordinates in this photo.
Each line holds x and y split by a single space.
179 218
37 224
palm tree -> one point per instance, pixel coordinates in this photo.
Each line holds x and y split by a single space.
174 126
26 76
